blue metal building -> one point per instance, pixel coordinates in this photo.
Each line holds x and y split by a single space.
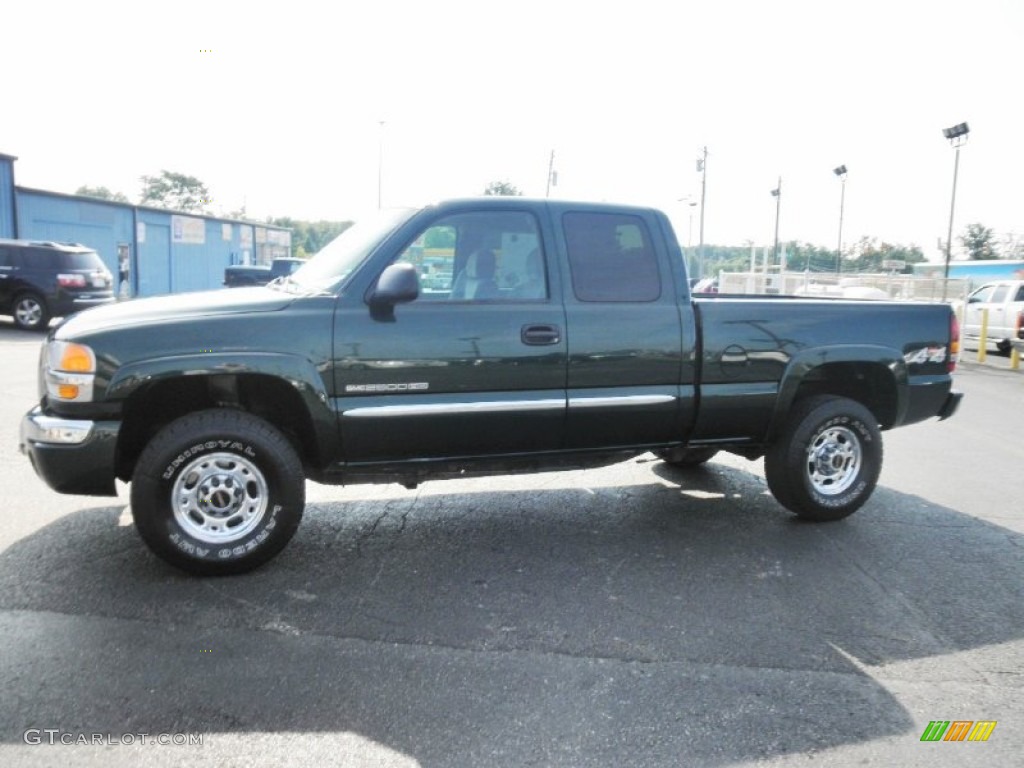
151 250
7 217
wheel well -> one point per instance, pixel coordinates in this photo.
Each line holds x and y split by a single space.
870 384
29 292
152 407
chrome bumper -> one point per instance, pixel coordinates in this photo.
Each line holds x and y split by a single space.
37 427
71 455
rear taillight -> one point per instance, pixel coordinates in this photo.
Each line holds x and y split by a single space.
954 342
1020 324
73 280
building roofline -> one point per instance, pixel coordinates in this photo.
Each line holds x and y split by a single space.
153 209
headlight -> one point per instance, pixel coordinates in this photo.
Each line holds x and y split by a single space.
70 371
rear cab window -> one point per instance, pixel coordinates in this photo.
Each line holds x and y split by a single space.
611 258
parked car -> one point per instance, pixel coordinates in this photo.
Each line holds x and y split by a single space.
42 280
237 276
1004 301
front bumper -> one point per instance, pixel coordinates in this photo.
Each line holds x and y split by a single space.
71 455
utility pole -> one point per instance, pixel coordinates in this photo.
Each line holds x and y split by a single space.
840 172
552 175
777 194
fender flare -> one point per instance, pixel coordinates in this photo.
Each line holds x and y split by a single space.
805 362
299 372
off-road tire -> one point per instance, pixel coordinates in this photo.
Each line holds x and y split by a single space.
826 461
218 492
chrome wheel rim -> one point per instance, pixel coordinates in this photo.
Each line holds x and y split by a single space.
219 498
28 312
834 460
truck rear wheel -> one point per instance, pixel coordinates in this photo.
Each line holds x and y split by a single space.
825 463
218 492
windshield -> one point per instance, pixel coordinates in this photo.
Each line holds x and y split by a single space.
337 259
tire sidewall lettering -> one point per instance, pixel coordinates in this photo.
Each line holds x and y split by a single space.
209 445
846 421
834 502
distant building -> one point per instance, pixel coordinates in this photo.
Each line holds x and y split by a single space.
977 272
152 251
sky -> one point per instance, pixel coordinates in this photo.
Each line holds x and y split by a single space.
316 110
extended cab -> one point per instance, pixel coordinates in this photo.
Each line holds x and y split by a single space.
553 335
240 275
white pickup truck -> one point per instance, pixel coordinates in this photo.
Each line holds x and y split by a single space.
1004 301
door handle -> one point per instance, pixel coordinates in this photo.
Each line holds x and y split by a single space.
538 335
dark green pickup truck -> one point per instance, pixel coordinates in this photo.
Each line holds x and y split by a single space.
472 337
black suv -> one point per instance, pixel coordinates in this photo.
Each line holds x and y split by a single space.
40 280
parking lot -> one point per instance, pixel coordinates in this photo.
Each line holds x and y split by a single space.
634 615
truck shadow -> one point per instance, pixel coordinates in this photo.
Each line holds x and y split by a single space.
686 621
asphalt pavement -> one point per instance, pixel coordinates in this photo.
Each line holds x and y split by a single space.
634 615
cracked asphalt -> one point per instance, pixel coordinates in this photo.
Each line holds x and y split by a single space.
633 615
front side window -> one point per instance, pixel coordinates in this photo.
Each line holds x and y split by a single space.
480 256
982 295
611 258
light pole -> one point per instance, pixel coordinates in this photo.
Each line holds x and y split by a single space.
841 173
702 167
689 240
777 194
957 135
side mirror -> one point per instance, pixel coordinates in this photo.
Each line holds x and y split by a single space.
398 284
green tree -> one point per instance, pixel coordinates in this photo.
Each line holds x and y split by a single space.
806 257
102 193
1012 247
501 188
439 237
979 242
308 237
869 255
176 191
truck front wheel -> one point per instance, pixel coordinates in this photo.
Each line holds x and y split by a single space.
218 492
825 463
